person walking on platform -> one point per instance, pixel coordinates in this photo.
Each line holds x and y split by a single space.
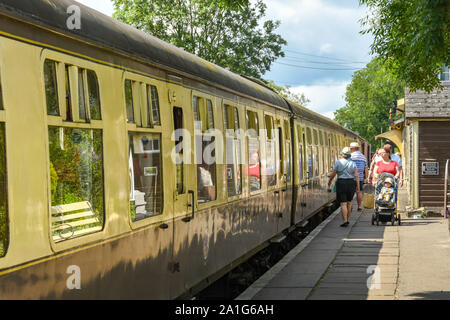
385 165
347 183
361 163
397 159
375 158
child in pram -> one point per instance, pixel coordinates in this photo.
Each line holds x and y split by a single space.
386 197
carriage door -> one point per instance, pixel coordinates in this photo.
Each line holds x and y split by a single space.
183 177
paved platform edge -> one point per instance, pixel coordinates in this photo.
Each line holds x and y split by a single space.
262 282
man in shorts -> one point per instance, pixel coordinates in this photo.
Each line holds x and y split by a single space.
361 163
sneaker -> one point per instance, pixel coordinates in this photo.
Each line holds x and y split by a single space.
344 224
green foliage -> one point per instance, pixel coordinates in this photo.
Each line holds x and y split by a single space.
233 39
287 93
369 98
232 4
76 167
132 211
411 37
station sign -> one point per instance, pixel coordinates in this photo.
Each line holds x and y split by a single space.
430 168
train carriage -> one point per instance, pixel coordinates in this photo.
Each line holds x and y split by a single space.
104 189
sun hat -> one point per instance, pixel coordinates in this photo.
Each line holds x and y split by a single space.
354 145
346 152
390 180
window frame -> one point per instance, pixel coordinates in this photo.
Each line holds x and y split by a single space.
243 146
203 114
272 139
139 96
258 122
60 121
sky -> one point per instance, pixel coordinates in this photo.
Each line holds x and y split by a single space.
324 47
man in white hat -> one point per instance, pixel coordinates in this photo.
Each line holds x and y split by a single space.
361 163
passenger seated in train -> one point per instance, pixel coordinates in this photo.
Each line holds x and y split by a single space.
205 185
387 193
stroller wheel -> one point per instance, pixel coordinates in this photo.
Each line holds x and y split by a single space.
378 220
399 220
373 220
393 219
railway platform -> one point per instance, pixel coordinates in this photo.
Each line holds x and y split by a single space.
362 262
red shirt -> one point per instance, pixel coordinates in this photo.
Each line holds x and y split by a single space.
387 167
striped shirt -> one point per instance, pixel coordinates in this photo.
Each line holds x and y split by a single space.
361 162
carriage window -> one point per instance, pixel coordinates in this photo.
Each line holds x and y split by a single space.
301 162
94 95
178 124
271 171
145 176
81 99
310 162
254 155
308 136
155 105
287 161
287 131
204 150
51 88
129 101
316 161
210 114
315 138
233 151
1 96
3 195
300 150
76 181
68 96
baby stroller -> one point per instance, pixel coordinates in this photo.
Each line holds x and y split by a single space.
384 212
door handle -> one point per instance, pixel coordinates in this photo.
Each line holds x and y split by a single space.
192 205
286 184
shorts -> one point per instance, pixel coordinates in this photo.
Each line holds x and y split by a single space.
345 190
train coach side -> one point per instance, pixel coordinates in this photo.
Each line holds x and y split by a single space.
90 129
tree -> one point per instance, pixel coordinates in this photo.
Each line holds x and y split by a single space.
232 4
411 37
287 93
369 97
233 39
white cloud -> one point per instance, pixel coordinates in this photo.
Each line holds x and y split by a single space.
326 48
325 97
311 23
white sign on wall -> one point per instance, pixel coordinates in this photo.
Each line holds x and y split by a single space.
430 168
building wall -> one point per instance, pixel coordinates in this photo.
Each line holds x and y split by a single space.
434 146
426 138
